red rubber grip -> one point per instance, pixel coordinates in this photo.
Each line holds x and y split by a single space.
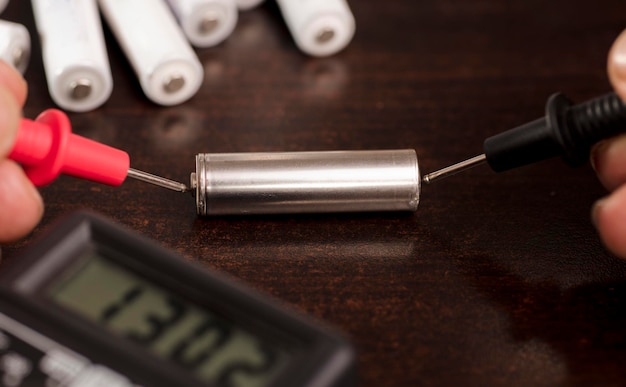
46 148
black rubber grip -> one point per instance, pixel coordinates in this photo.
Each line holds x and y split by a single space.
566 130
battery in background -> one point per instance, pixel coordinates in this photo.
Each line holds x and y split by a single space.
74 54
206 23
168 69
15 45
319 27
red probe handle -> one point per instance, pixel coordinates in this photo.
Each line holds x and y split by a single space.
46 148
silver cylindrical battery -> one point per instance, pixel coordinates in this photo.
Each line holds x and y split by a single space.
306 182
14 45
206 22
319 27
167 67
74 54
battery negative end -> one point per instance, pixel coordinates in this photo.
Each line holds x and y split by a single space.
209 23
80 89
174 83
325 35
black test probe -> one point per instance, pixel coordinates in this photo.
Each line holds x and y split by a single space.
567 130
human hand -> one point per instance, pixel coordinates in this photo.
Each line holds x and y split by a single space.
21 206
609 161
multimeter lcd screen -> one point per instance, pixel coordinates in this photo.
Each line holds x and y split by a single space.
211 347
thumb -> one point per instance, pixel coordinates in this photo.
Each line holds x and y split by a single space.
21 206
616 65
608 216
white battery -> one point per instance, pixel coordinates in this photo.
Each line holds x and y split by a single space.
319 27
74 54
206 22
245 5
3 4
167 67
14 45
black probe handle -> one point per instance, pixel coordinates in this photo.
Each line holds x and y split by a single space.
567 130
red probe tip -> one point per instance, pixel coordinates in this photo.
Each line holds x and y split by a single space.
46 148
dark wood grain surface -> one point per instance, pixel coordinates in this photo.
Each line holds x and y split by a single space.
497 280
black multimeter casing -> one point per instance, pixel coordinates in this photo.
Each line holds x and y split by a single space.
317 356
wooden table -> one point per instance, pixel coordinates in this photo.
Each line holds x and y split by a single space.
498 279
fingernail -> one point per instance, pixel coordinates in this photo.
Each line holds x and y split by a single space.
596 209
597 149
618 56
34 192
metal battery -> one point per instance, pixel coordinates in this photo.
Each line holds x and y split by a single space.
306 182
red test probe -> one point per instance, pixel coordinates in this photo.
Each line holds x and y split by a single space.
47 148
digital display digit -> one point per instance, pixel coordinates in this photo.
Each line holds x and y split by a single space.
211 347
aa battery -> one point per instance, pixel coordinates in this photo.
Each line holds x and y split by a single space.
14 45
306 182
319 27
74 54
167 67
206 23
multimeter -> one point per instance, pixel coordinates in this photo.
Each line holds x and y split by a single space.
93 304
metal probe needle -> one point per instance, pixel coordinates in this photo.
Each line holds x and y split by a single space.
454 169
157 180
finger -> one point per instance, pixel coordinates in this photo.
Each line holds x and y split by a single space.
9 120
609 160
20 203
13 80
616 65
609 216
